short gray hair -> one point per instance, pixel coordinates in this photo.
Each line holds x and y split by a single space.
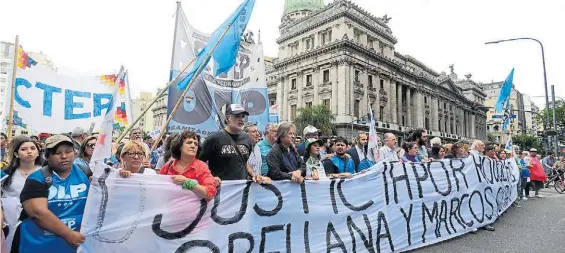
283 130
248 125
387 135
475 144
270 126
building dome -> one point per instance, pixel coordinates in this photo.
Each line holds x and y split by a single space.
291 6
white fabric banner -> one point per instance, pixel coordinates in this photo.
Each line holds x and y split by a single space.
392 207
47 101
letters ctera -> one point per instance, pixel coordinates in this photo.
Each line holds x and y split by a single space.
50 102
393 207
100 101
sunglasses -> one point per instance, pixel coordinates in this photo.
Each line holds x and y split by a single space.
90 145
134 154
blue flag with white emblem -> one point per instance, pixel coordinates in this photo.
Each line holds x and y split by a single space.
227 46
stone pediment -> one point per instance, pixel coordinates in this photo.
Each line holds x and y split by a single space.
449 85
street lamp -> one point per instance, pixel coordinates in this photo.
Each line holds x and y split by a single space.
544 71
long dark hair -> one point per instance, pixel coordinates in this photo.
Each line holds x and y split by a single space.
168 144
15 145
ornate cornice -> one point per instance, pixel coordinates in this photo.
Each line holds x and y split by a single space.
332 13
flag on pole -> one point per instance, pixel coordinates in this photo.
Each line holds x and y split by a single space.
373 138
509 145
103 148
505 92
227 47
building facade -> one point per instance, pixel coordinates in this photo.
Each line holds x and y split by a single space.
160 111
519 123
342 56
138 105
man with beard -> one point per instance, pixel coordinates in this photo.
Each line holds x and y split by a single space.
420 136
340 164
227 151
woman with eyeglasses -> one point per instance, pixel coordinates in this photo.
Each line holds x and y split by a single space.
85 151
131 157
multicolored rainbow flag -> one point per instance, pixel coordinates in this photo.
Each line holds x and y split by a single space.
110 80
23 60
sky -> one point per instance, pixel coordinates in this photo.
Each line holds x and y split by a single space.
96 37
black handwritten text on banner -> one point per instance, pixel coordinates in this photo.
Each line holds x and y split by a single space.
393 207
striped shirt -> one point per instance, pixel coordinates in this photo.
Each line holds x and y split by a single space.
255 160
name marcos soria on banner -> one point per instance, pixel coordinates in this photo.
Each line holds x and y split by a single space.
392 207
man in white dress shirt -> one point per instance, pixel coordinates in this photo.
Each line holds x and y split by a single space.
388 151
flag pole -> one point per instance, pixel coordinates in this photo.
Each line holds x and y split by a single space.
181 98
159 95
13 90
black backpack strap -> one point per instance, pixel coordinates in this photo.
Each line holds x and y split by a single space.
85 169
48 175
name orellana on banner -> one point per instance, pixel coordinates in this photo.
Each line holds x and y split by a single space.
244 84
402 207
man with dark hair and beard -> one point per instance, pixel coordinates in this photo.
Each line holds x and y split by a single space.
340 164
420 136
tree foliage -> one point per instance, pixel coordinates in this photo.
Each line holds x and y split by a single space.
526 142
559 114
319 116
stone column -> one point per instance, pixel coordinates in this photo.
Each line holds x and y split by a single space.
473 127
393 103
280 96
365 99
315 85
386 114
377 104
342 87
299 87
334 77
350 89
409 108
434 114
399 104
448 119
285 107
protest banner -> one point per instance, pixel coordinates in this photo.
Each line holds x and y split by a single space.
392 207
54 103
245 84
46 101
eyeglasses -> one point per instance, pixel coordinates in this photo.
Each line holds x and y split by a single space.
133 155
92 145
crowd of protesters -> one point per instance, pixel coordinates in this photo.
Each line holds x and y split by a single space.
38 168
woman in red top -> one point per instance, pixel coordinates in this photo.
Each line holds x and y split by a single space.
537 174
188 171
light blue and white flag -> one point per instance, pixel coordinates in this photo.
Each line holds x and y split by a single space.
244 83
227 48
505 92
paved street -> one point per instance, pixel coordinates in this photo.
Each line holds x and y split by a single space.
539 226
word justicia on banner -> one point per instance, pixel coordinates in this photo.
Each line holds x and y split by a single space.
403 206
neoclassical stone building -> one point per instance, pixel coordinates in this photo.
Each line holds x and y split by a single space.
344 57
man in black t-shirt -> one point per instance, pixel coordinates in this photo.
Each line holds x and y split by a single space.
219 151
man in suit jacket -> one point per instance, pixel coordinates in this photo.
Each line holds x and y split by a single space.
356 152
